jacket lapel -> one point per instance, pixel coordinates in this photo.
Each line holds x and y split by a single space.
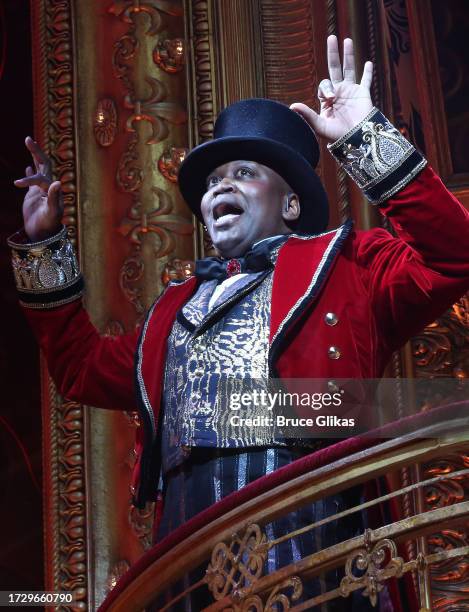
303 265
149 368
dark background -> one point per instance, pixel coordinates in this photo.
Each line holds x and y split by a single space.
21 533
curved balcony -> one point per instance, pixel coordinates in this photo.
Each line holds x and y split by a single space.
228 539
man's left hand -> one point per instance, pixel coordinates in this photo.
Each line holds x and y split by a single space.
344 102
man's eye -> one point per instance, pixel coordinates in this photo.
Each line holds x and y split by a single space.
213 180
245 172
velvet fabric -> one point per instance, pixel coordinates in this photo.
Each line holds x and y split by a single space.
383 289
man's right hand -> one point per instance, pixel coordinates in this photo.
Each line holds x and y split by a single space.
43 203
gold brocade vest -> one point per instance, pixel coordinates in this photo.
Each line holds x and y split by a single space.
206 348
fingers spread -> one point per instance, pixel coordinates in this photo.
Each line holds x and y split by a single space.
33 179
349 61
333 59
367 75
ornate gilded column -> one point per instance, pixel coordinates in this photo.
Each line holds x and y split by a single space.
111 110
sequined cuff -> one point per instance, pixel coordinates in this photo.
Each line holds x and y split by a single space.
46 273
377 157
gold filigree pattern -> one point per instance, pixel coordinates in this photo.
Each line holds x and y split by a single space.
277 600
158 221
237 565
105 122
169 55
124 50
170 162
154 110
376 563
129 173
131 273
450 577
146 97
127 9
442 349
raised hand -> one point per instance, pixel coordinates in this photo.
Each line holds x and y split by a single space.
344 102
43 204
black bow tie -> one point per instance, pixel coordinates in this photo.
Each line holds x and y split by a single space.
259 258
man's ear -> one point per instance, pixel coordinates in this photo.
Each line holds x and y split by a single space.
291 210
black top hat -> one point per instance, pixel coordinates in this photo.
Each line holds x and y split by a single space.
270 133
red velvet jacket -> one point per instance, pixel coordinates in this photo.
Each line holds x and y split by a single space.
382 289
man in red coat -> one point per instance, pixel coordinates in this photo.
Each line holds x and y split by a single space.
317 304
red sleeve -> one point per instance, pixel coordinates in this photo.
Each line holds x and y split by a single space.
414 278
86 367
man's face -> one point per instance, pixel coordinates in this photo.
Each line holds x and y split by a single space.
245 202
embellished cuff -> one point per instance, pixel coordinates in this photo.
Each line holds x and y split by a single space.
377 157
46 272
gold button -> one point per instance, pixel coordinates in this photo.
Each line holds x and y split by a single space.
333 352
333 386
331 319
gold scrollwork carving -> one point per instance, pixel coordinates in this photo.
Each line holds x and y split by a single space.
155 111
170 162
64 483
130 276
124 50
277 601
450 577
158 221
202 46
169 55
154 108
379 563
71 486
127 9
129 174
442 349
237 565
105 122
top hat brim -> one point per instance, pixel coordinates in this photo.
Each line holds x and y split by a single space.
281 158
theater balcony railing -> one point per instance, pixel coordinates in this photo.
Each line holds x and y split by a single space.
229 539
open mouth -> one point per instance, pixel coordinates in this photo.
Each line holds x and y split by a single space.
226 210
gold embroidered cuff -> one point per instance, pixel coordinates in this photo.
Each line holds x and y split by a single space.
46 272
377 157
